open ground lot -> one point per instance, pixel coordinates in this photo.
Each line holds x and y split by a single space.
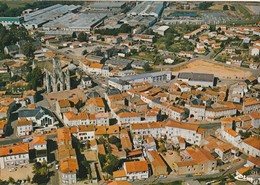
220 71
20 174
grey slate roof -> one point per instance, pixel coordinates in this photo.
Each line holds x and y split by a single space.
205 77
38 112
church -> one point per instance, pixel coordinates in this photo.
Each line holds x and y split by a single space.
57 78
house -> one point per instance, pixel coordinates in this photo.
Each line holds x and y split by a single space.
192 133
231 136
68 170
176 113
95 68
63 136
154 129
200 50
14 155
3 123
30 95
250 105
113 130
112 39
72 119
138 64
251 146
254 66
159 167
150 144
24 127
136 170
86 82
102 118
255 50
222 149
119 62
62 106
253 161
199 161
143 37
119 175
221 27
85 132
126 141
127 118
6 106
11 50
95 105
40 146
255 116
237 60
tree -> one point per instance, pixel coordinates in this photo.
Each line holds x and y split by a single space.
232 8
116 141
147 67
11 180
82 37
35 78
27 49
245 134
74 35
102 159
40 171
28 179
112 164
205 5
225 7
101 140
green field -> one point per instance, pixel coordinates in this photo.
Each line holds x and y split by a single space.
17 3
243 11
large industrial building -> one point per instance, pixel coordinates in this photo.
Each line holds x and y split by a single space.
76 22
147 9
139 20
37 18
107 5
7 21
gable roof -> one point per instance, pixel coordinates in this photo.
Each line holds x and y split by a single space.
253 141
136 166
15 149
69 165
39 140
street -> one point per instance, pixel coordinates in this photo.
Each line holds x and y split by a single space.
171 178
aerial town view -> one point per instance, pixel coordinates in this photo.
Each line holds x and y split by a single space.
129 92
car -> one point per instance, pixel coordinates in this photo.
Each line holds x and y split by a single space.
27 140
12 169
57 166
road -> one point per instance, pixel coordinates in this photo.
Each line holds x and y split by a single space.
171 178
15 139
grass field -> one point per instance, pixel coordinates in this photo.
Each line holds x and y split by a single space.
16 3
245 12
